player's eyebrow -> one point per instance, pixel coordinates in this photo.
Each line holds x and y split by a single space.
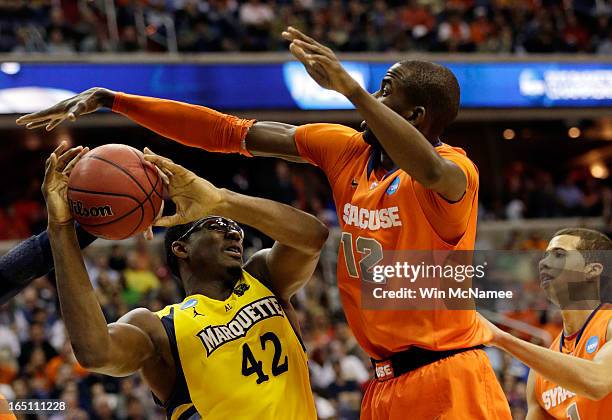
557 248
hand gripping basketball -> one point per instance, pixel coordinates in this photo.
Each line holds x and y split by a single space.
55 185
193 196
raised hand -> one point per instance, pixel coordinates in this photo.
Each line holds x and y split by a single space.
320 62
193 196
69 109
55 185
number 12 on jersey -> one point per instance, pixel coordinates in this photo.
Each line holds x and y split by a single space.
370 252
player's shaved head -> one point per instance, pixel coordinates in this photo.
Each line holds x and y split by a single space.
433 87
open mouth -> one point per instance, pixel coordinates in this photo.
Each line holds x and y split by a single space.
234 251
545 278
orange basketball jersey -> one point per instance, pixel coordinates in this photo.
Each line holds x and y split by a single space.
5 412
392 213
561 403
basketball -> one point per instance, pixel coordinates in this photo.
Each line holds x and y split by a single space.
113 192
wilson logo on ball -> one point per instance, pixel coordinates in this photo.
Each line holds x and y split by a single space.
100 211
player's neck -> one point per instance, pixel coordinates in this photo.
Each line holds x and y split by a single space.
214 289
574 320
386 163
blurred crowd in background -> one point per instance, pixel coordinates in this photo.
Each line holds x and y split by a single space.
534 192
495 26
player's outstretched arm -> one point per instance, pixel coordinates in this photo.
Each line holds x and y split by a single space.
408 148
118 349
192 125
589 378
299 236
534 410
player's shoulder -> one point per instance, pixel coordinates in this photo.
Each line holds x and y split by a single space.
329 130
555 343
447 150
459 157
139 317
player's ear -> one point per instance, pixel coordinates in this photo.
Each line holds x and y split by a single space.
416 116
593 270
179 249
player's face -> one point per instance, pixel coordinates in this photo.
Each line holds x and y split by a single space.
391 93
563 270
216 245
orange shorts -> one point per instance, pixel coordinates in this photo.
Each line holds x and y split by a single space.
459 387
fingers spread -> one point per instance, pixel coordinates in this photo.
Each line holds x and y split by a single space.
164 164
163 176
66 157
297 34
68 169
314 48
76 111
50 168
45 114
54 123
59 150
298 53
38 124
168 221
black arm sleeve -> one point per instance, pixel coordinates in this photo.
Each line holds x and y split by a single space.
29 260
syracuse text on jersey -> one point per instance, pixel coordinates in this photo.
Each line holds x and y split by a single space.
371 219
555 396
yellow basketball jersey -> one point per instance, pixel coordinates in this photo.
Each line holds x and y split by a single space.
237 359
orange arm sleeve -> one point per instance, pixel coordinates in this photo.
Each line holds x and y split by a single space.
191 125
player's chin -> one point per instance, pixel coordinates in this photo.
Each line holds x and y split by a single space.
232 260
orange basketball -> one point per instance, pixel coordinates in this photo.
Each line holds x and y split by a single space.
113 192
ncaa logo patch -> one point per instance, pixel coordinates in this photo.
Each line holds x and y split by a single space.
189 304
592 344
394 186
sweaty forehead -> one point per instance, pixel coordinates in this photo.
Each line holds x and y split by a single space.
568 242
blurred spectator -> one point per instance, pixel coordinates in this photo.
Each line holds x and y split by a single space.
256 17
454 34
36 347
570 196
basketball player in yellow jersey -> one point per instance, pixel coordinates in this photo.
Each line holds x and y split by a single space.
231 349
573 378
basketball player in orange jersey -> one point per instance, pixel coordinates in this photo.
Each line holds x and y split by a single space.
5 410
573 378
396 187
